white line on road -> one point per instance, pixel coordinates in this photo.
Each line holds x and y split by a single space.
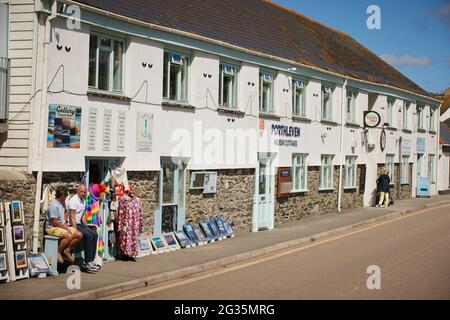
271 257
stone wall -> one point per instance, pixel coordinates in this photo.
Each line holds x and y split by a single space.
404 189
21 187
315 201
233 199
146 187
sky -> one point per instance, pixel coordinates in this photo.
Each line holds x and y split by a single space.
414 36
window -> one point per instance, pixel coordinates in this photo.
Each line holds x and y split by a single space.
390 112
300 174
175 76
405 113
432 119
298 98
350 111
326 172
4 61
106 62
350 172
404 174
420 115
327 93
390 166
420 165
431 162
228 85
266 92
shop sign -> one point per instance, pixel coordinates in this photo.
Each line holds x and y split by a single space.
420 145
406 146
371 119
144 132
64 127
289 132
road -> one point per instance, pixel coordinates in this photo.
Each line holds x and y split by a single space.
412 253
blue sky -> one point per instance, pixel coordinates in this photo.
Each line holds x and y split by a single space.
414 34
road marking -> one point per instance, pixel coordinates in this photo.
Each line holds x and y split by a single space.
274 256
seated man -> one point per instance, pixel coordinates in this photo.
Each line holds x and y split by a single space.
55 225
77 214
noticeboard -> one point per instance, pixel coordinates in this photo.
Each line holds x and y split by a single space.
284 182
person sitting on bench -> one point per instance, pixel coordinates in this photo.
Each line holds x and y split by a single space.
55 225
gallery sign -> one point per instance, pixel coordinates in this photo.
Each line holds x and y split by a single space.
64 127
371 119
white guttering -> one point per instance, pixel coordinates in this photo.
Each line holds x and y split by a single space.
40 113
341 142
234 47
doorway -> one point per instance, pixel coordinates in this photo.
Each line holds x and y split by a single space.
263 209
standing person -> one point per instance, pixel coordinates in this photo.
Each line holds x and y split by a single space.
77 207
55 225
383 183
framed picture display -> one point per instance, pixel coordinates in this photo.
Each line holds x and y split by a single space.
215 230
16 211
221 227
2 215
228 227
171 240
206 230
200 236
21 259
38 264
2 237
18 234
3 266
145 246
159 243
183 240
189 230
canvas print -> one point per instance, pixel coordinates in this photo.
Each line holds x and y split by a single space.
2 237
2 215
3 262
158 242
21 259
18 234
37 264
145 246
189 230
199 234
182 239
171 240
228 227
215 230
64 127
206 230
221 227
16 211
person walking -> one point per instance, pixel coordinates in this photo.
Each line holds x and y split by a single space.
383 185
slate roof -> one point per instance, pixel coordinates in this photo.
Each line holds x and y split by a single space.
444 135
268 28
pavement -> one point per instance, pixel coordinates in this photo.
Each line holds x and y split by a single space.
121 276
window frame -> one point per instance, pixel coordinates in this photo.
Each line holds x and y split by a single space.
431 124
111 51
329 175
431 168
404 172
302 163
351 116
328 108
180 86
301 112
390 166
390 111
405 114
420 111
271 101
354 166
234 88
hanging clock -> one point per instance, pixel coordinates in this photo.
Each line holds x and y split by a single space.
383 140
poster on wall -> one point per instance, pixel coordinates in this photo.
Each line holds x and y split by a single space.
144 132
64 127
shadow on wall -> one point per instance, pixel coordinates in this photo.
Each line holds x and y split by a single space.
3 138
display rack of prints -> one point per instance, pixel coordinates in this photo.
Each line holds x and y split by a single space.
183 240
207 230
189 230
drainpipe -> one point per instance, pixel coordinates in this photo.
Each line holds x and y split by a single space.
43 107
341 148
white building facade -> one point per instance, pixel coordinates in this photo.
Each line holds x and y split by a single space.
283 139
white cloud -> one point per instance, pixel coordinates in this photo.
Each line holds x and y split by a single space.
406 60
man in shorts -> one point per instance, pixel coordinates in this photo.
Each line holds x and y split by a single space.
55 225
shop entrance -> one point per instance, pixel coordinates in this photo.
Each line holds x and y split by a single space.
171 214
263 208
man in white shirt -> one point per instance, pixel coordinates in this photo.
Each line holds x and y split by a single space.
77 216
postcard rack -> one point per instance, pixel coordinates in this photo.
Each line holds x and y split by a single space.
16 247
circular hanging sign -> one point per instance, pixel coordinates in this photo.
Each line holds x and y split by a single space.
383 140
371 119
